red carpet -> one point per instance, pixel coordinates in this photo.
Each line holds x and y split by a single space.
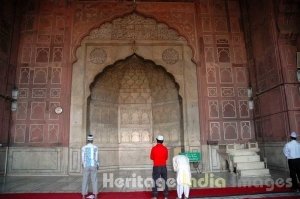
207 192
278 197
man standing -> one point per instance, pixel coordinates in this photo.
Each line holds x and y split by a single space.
181 165
292 151
159 155
89 157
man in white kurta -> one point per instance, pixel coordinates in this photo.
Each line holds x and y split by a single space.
292 152
181 165
89 157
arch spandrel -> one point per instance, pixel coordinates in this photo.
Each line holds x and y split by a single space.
122 32
89 16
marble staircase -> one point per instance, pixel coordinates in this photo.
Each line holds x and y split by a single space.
243 159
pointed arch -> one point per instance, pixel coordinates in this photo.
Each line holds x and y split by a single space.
121 38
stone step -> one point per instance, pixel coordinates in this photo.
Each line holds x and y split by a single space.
243 152
250 165
254 172
246 158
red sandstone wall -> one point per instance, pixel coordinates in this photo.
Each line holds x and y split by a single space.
223 76
8 54
52 30
288 44
273 72
43 75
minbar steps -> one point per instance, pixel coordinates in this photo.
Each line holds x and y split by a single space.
247 163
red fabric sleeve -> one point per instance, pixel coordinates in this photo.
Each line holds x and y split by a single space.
151 154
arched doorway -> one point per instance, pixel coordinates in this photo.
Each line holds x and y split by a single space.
131 102
111 46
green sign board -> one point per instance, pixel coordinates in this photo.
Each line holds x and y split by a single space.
192 156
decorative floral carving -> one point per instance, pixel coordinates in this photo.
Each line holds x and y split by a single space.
98 56
134 27
170 56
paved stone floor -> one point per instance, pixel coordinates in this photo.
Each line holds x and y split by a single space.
135 181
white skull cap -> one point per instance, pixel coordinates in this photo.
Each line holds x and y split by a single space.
293 134
90 137
160 137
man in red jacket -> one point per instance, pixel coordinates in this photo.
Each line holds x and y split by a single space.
159 155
